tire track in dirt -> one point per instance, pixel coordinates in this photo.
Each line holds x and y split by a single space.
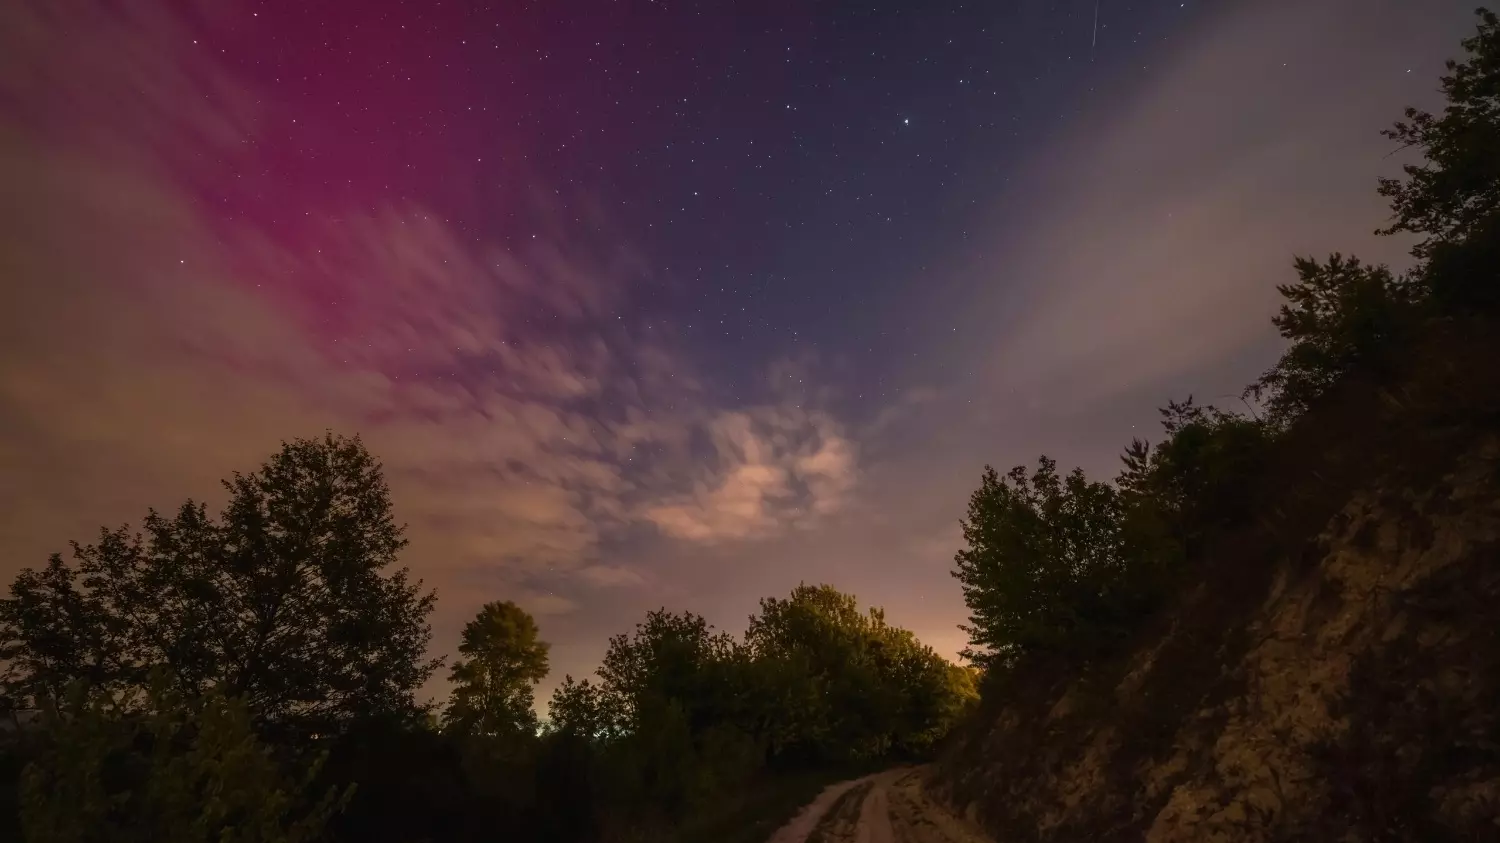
806 821
888 807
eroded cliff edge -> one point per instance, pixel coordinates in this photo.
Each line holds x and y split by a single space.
1330 672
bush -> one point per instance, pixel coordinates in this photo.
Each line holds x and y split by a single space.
1046 564
167 768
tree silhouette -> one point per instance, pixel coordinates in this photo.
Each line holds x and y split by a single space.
1455 190
1451 199
1044 553
503 660
1342 317
284 601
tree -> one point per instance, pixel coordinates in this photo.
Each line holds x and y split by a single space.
1045 555
1342 317
164 767
284 601
669 658
824 699
583 708
662 716
503 662
1451 200
1456 189
835 683
1191 482
927 693
64 624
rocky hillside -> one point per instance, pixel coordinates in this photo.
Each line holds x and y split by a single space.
1330 669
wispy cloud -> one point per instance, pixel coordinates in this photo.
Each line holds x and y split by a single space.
773 468
155 344
1160 223
610 576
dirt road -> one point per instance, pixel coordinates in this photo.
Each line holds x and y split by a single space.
888 807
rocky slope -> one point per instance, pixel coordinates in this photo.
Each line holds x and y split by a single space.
1333 673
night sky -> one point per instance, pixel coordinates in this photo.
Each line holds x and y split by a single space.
660 303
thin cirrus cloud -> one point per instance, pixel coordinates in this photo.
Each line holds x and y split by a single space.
153 345
1159 224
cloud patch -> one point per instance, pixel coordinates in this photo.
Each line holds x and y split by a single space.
772 468
1159 226
156 343
610 576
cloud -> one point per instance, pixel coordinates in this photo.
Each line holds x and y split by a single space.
1159 227
546 605
907 406
154 344
121 80
773 468
610 576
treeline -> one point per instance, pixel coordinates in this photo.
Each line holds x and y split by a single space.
255 674
1060 567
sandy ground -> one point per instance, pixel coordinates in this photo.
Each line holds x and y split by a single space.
888 807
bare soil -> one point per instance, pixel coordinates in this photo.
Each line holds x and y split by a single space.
888 807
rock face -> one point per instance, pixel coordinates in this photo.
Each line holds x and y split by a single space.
1328 684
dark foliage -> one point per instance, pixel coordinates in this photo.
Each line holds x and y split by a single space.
681 717
285 601
1453 195
1046 554
503 660
165 767
681 724
1055 564
1190 483
1451 199
1342 318
847 686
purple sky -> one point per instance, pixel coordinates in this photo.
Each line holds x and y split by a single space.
653 304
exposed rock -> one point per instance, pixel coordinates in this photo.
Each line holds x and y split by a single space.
1349 690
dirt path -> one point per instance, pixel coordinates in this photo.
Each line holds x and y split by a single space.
888 807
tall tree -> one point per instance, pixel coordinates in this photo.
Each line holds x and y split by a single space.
1044 553
669 658
494 682
285 601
